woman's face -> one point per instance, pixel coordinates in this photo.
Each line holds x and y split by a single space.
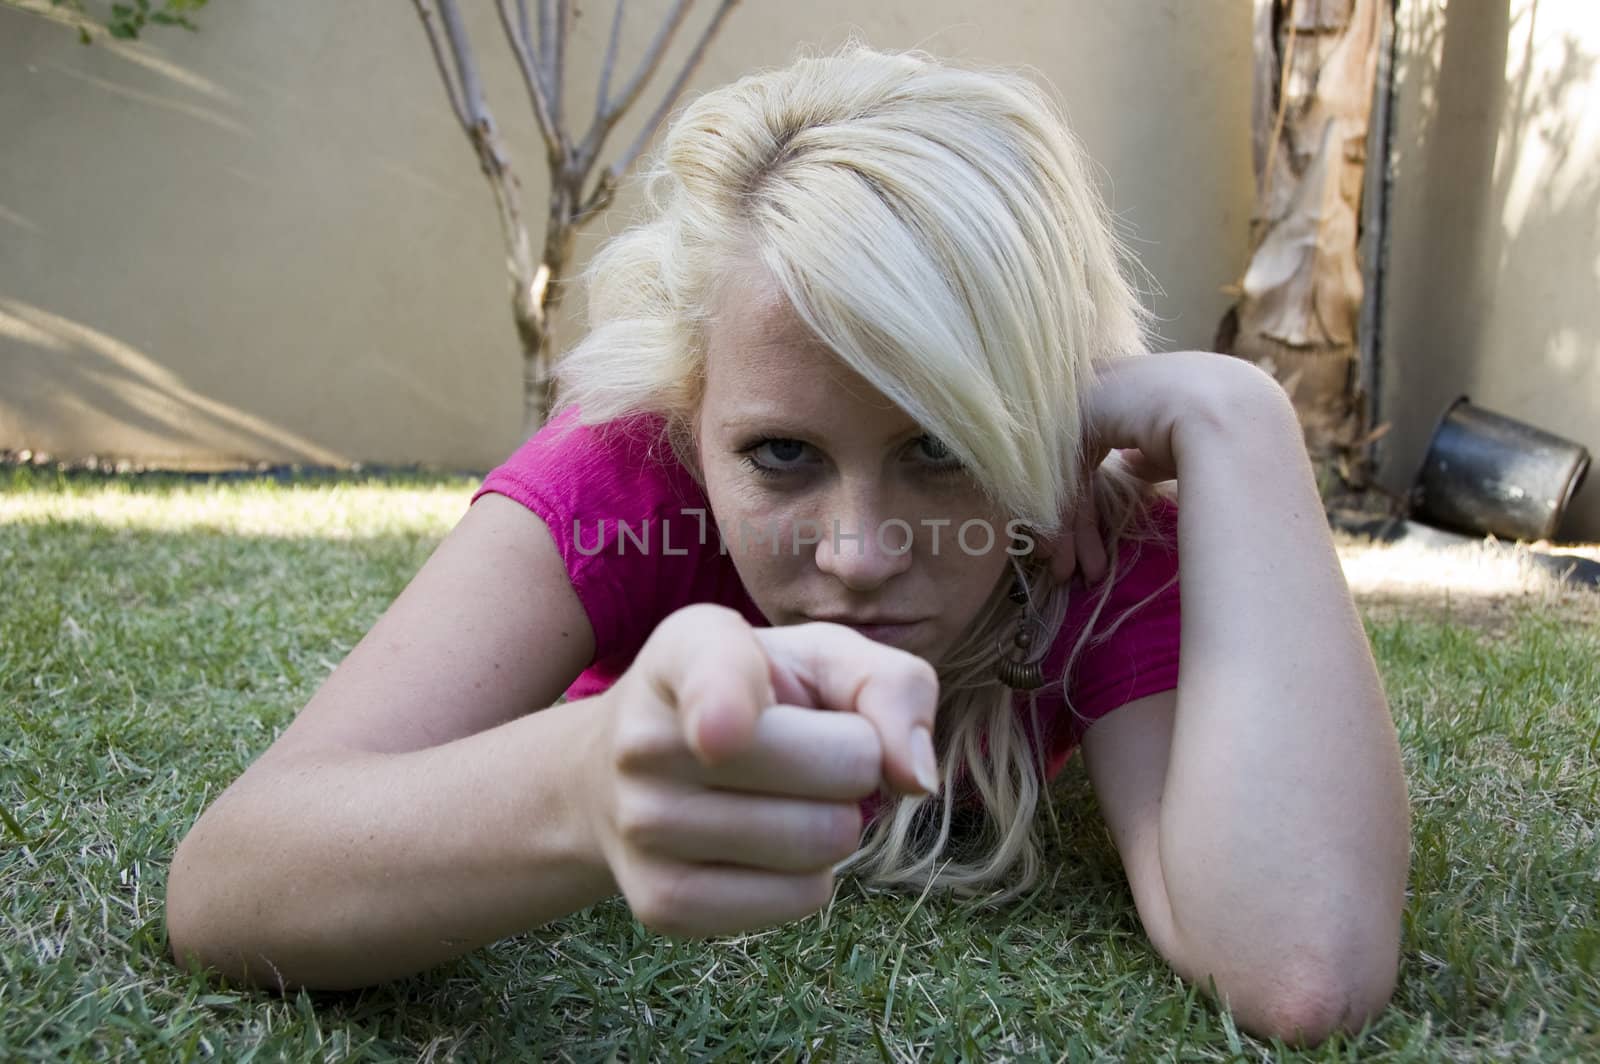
831 501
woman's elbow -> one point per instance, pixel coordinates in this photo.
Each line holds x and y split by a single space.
198 931
187 926
1309 1005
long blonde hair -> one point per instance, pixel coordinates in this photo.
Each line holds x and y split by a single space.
935 225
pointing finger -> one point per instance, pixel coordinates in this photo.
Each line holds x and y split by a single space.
718 695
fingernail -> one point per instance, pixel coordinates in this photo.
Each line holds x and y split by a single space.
923 763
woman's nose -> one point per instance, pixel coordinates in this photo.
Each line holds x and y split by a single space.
861 547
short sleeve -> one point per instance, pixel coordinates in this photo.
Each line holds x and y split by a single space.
1132 650
622 511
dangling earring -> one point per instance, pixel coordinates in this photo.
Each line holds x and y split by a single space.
1017 666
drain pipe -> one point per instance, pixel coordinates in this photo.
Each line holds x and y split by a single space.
1375 232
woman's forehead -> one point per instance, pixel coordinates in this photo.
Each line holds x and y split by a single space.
753 313
791 399
777 378
767 370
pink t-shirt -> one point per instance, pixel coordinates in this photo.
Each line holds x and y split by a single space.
639 542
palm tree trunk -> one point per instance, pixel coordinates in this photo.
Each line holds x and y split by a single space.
1300 299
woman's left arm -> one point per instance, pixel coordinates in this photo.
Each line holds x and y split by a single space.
1265 826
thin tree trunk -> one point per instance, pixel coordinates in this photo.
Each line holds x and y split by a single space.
536 287
1300 299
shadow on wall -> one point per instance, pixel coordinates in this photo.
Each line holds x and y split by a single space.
1494 267
252 248
61 372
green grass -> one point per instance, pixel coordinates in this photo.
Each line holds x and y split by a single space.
154 638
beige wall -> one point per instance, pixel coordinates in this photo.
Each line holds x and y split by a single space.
269 240
1493 281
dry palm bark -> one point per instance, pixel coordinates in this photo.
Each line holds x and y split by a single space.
535 282
1300 298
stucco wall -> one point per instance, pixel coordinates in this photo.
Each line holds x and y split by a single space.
1493 281
269 240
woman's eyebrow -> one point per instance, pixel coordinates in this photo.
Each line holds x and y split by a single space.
768 421
778 423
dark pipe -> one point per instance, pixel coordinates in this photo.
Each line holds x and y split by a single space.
1493 475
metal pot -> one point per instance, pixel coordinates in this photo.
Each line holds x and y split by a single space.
1493 475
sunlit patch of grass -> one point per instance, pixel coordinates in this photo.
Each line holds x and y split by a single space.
344 508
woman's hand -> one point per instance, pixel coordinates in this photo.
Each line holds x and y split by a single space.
1152 405
722 797
1138 412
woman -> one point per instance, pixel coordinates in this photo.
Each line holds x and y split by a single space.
875 302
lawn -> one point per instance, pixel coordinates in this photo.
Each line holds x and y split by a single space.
154 637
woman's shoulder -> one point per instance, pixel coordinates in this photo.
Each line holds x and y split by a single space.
622 469
630 521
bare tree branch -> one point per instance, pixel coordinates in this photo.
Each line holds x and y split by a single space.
608 112
547 35
425 11
558 69
555 140
652 58
615 171
606 66
525 36
522 26
531 46
485 140
466 69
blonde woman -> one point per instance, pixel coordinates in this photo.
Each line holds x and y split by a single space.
815 552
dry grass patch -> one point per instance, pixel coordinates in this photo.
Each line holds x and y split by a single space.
1484 586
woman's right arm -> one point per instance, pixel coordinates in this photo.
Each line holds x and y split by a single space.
416 808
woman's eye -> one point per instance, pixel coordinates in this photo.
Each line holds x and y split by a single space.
774 456
785 451
777 456
936 455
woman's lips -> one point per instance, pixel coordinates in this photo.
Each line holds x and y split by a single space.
893 634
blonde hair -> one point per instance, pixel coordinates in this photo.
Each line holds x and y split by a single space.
935 226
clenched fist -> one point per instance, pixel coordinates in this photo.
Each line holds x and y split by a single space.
735 759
